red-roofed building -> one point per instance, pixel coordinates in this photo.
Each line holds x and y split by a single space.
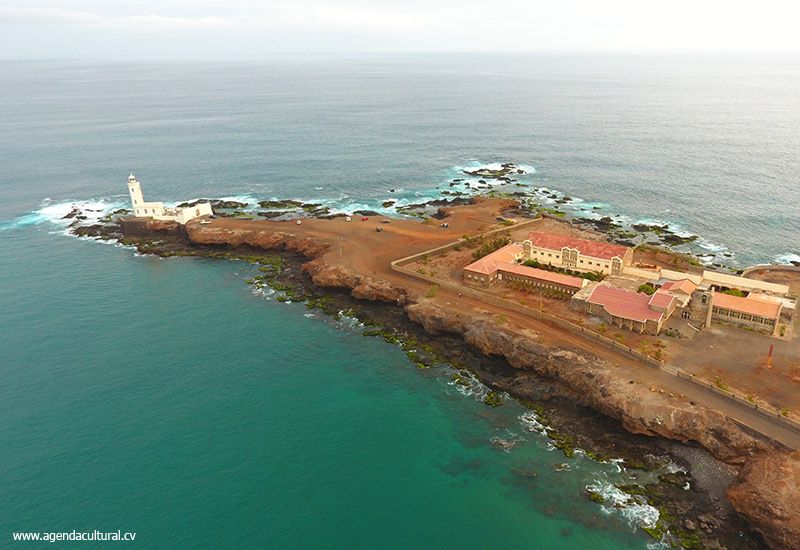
756 311
574 253
634 311
501 265
682 290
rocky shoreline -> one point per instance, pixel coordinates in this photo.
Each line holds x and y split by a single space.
562 385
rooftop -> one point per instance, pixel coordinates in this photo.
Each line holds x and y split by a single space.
625 303
505 259
753 304
684 285
488 264
734 281
543 275
595 249
661 298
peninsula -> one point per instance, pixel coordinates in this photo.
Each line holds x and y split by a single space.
641 334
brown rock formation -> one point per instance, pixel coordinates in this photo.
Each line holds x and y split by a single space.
770 478
266 239
596 384
363 288
149 227
767 496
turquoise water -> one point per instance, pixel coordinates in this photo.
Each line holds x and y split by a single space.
163 397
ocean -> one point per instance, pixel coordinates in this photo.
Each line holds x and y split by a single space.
162 396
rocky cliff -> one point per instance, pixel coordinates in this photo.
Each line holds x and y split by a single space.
770 479
768 497
266 239
594 380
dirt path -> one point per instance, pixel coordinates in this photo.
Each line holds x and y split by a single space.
359 247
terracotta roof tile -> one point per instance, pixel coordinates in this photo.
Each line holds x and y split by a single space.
752 305
542 274
661 299
624 303
504 259
684 285
595 249
488 264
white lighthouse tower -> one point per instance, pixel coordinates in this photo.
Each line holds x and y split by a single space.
135 189
143 209
158 211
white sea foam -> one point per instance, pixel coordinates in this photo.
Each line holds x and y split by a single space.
469 385
506 443
93 209
711 247
345 322
788 258
262 291
636 513
532 423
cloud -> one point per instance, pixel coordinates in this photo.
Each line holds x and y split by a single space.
37 16
401 25
55 16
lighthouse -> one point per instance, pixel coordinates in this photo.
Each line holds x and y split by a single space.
135 189
157 210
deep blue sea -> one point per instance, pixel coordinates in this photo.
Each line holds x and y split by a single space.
164 397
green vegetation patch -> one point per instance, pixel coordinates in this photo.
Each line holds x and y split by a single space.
488 246
590 275
493 399
647 288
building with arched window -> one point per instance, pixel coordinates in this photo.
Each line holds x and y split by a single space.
574 253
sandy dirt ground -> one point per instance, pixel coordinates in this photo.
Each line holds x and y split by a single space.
358 245
782 277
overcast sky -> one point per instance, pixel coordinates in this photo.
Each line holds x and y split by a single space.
200 28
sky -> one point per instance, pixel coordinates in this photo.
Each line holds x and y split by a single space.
220 28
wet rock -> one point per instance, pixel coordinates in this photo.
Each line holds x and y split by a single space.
285 204
674 240
271 214
603 224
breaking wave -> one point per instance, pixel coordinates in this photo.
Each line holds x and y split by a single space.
788 258
635 513
58 213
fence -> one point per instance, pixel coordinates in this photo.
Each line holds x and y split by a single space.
399 266
767 411
439 250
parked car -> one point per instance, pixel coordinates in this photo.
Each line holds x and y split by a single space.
363 219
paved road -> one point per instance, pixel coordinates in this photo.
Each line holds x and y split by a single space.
629 367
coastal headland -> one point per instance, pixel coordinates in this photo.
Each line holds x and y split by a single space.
357 257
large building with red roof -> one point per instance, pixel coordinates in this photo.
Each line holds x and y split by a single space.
635 311
574 253
755 311
502 265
